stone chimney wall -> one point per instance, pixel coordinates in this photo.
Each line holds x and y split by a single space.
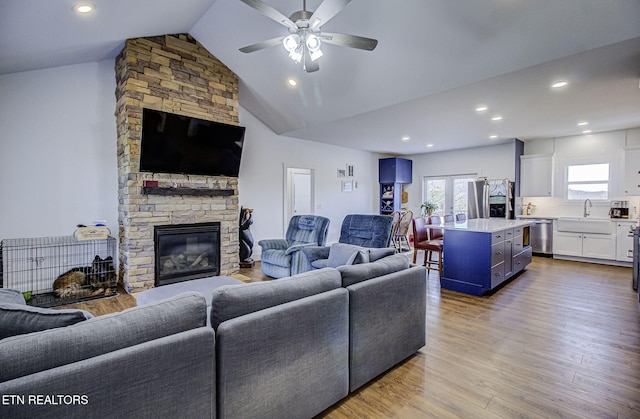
171 73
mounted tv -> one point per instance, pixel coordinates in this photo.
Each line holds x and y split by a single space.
179 144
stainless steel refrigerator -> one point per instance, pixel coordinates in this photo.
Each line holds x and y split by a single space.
490 198
636 258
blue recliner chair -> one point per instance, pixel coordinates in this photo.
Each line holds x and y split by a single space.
359 232
284 257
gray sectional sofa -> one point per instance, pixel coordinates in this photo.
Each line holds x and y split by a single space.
288 348
152 361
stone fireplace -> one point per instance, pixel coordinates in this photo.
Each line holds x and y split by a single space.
171 73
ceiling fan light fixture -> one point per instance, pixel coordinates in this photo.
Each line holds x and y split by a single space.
291 42
313 42
303 43
315 54
296 55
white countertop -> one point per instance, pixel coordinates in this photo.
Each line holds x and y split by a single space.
555 217
484 225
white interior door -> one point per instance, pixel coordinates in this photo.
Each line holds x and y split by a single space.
299 193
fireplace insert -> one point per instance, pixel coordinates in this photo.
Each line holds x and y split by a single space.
186 251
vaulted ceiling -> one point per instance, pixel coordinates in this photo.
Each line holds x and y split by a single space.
436 61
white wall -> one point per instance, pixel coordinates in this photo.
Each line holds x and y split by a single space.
492 162
58 160
58 150
261 182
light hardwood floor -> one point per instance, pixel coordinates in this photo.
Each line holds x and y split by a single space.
562 340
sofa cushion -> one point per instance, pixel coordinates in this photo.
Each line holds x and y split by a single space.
356 273
27 354
346 254
230 301
19 318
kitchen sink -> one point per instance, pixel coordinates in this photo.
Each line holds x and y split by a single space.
584 225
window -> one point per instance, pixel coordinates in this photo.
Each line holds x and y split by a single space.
434 192
449 192
588 181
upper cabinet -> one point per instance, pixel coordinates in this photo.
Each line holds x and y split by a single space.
536 175
395 170
632 171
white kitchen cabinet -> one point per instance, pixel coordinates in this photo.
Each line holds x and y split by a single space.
632 172
567 244
624 242
536 175
599 246
595 246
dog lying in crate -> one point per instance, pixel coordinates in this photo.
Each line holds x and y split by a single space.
87 281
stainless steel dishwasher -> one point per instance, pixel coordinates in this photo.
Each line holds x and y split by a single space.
542 237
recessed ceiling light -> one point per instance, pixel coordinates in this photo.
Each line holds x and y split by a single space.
481 108
497 118
429 145
587 131
292 82
83 8
493 137
559 84
406 138
582 123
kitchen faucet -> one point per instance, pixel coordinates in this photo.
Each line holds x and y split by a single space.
585 207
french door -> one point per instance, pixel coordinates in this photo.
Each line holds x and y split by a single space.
448 192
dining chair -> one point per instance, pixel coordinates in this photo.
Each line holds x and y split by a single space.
461 217
394 226
401 235
448 218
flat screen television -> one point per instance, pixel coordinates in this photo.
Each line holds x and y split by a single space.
179 144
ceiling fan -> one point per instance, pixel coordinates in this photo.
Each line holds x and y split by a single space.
305 36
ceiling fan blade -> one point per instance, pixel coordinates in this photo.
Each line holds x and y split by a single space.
262 45
352 41
309 65
271 13
327 10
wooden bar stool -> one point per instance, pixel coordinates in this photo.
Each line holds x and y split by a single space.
436 238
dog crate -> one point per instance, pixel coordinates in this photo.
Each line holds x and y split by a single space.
32 265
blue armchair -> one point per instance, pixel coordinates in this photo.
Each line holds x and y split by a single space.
358 232
284 257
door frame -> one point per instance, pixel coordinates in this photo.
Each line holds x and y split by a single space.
289 172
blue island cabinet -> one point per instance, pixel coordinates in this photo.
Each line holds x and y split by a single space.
476 262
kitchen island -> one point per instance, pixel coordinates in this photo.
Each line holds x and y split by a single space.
480 254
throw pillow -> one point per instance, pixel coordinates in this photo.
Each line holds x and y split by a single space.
375 254
345 254
18 319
